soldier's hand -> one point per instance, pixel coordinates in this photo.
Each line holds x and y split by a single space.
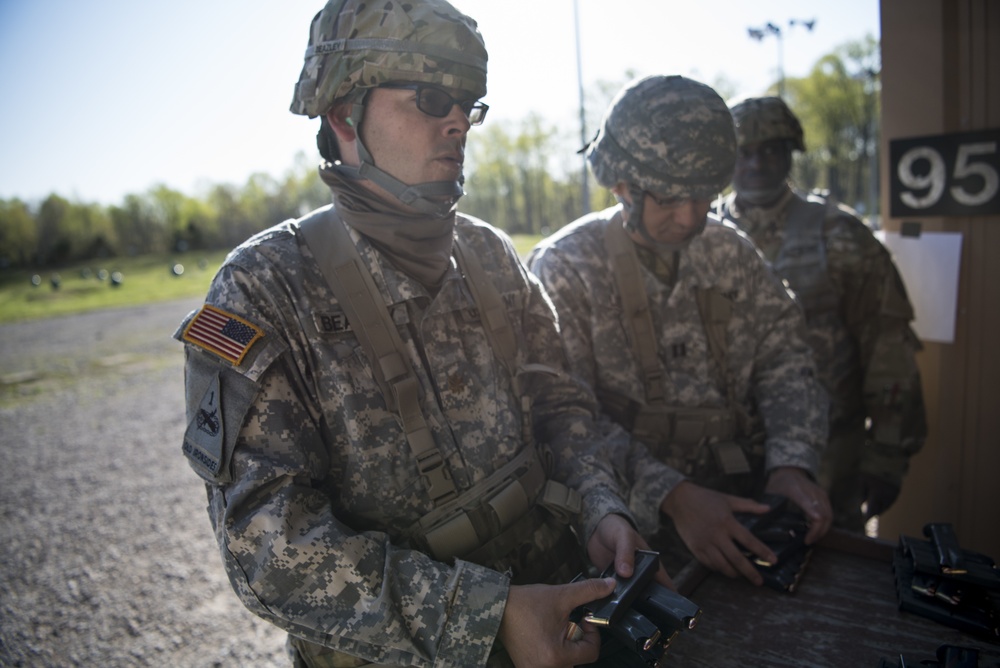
616 539
705 521
878 494
795 484
536 630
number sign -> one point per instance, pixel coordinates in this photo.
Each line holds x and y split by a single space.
945 175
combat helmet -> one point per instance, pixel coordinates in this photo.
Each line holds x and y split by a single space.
357 45
667 135
760 119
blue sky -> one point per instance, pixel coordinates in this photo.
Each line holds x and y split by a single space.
109 97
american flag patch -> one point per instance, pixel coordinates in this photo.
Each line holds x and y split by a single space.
224 334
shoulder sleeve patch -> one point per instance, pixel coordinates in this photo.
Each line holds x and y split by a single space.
218 399
224 334
205 435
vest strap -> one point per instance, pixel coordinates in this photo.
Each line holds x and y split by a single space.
355 289
635 304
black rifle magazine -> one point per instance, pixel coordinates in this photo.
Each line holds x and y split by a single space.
783 529
939 580
640 619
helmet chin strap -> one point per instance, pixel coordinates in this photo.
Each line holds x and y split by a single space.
434 198
633 222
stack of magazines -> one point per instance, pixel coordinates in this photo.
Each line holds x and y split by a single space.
939 580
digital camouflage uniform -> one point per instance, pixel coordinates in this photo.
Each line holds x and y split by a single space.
768 366
673 137
314 489
864 347
314 523
857 320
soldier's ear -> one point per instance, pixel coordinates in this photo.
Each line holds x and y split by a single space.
339 118
340 123
620 191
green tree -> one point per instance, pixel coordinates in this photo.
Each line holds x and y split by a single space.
525 178
137 227
92 232
197 226
53 246
302 188
168 209
73 231
838 105
18 234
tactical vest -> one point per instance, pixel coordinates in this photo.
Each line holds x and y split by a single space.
803 262
500 513
694 440
802 258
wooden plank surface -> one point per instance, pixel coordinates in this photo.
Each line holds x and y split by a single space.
843 614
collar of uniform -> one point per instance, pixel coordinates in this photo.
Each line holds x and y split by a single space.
759 220
418 244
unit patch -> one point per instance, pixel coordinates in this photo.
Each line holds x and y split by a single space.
203 441
224 334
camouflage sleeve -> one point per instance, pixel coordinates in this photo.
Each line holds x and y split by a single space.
791 400
647 480
564 411
566 290
298 564
877 313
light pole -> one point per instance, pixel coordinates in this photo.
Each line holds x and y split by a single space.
770 29
583 117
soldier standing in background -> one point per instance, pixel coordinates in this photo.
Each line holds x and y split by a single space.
393 453
857 313
689 340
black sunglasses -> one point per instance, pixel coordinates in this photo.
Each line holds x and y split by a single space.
435 102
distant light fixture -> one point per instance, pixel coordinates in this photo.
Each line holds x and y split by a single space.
771 29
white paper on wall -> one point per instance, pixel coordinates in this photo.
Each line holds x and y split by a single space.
929 265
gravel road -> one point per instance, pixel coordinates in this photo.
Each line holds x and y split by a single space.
106 552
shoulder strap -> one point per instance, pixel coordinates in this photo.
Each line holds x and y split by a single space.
635 304
494 312
715 311
499 331
352 284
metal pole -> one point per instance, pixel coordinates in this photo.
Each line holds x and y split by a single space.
770 29
583 118
781 67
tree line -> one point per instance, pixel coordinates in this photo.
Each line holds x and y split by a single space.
524 177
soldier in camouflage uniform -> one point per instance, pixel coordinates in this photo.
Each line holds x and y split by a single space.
689 340
857 313
399 512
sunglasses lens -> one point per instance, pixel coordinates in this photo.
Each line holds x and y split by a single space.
434 102
476 111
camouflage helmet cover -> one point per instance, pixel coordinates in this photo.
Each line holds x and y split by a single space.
760 119
667 135
361 44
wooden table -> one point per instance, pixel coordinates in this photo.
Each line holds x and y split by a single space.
844 614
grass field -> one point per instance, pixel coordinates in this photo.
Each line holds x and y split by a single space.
88 286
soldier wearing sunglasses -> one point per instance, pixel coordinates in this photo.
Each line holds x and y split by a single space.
387 435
